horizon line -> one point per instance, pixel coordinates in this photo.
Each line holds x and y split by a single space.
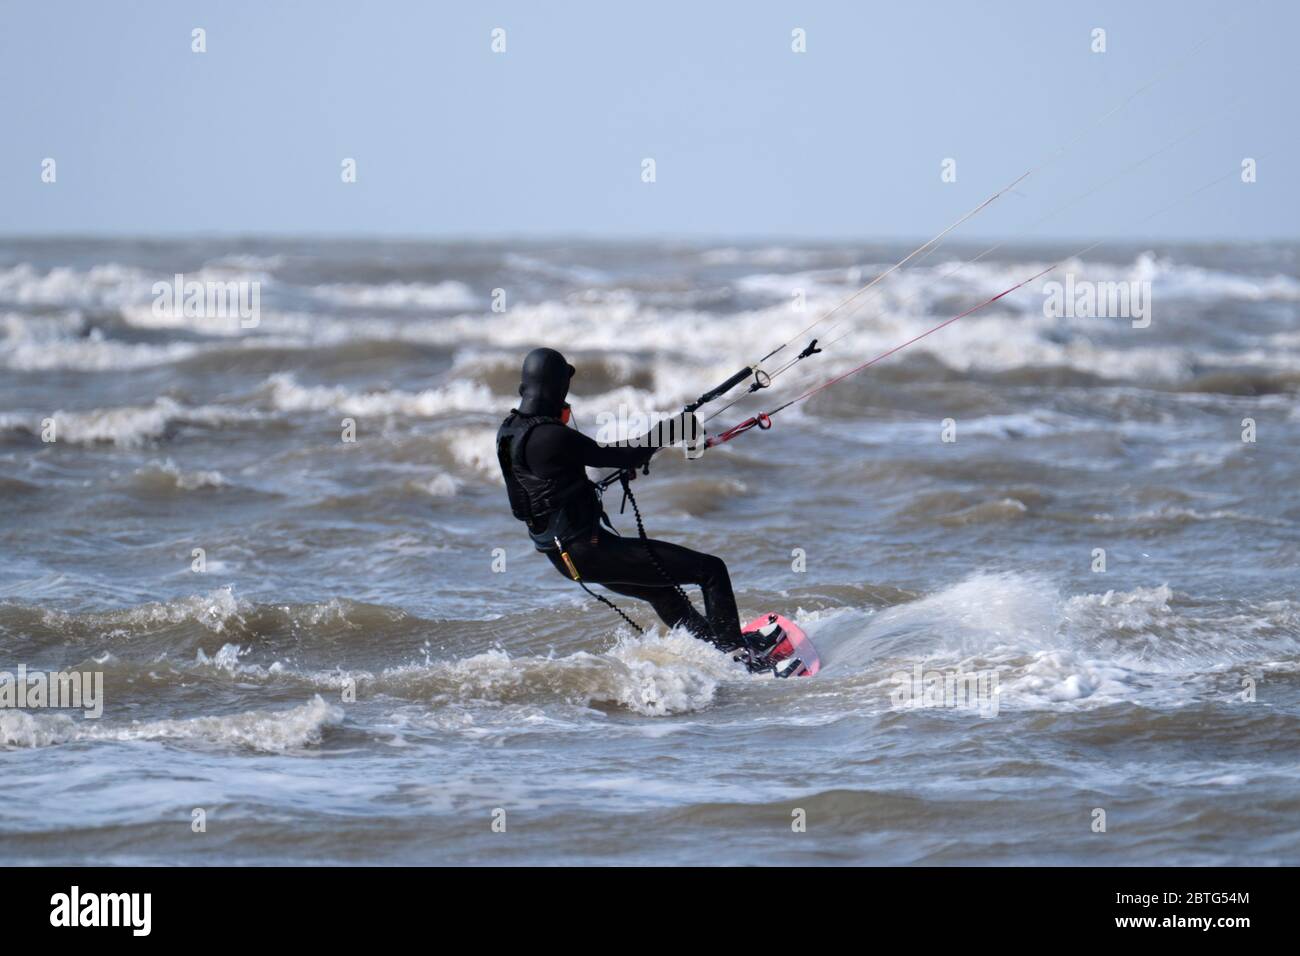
624 238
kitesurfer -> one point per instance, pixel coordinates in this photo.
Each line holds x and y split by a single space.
544 462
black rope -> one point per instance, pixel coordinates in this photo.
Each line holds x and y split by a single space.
613 607
645 540
763 379
663 571
753 665
622 476
650 552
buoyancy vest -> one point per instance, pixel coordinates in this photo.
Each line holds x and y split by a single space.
565 506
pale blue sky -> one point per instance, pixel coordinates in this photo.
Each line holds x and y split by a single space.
751 140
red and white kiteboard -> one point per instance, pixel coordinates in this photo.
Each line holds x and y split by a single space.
794 654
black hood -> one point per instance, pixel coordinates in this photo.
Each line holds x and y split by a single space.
544 383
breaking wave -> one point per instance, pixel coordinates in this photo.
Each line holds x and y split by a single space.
262 730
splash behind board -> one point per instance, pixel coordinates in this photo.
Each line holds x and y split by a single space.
794 655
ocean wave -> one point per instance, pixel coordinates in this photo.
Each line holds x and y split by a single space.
697 496
273 731
127 426
214 611
47 342
471 450
245 263
791 256
1142 645
441 485
653 675
533 265
287 395
1013 334
688 346
107 284
92 354
983 612
447 295
1004 509
1170 280
1065 676
184 623
165 476
1182 281
1176 516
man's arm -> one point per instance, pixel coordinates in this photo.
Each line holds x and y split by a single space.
551 447
595 455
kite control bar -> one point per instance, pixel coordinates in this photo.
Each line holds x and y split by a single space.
760 379
722 389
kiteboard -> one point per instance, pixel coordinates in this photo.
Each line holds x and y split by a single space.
785 648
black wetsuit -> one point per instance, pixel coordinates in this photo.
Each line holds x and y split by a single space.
623 564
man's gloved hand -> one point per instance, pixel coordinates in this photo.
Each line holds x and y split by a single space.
679 430
682 429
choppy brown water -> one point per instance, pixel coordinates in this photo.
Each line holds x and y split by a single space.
369 565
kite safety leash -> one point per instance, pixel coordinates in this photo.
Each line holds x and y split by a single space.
762 421
573 573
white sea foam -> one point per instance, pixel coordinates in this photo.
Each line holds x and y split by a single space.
181 479
18 728
654 675
688 346
214 610
34 343
1048 652
287 395
263 730
107 284
474 449
135 425
440 485
1066 677
397 295
1180 281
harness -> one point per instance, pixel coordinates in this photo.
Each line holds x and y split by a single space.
558 509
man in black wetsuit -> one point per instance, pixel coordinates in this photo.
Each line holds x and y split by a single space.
544 463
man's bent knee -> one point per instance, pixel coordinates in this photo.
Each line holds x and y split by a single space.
713 568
